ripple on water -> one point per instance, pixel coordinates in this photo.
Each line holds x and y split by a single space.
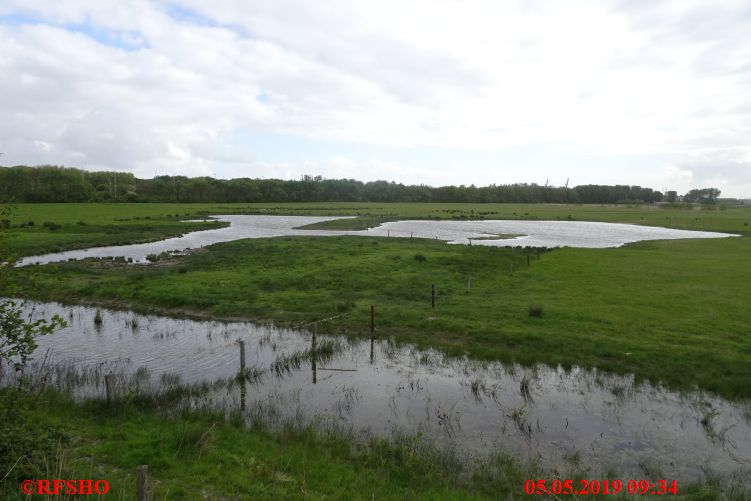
576 417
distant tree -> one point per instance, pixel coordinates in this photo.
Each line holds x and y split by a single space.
58 184
671 196
702 196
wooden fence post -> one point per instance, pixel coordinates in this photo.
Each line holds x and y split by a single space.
142 482
314 352
432 296
242 358
109 386
241 375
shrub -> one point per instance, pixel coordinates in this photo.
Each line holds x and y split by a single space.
22 438
535 310
52 226
420 258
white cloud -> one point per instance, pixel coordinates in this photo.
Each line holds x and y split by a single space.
154 86
730 170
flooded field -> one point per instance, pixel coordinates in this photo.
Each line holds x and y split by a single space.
561 419
492 233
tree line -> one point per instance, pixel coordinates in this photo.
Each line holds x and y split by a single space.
66 184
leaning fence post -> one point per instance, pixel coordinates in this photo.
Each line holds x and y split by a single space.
142 483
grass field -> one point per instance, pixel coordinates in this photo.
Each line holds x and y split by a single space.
114 224
674 312
670 311
44 228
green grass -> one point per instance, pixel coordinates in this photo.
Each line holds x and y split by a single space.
78 226
202 455
669 311
115 224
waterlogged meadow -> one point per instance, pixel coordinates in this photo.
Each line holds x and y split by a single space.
562 421
491 233
630 310
626 362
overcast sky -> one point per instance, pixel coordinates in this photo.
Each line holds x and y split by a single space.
649 92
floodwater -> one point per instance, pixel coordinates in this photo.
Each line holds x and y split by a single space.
528 234
560 419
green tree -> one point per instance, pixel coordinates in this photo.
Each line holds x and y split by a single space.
18 333
702 195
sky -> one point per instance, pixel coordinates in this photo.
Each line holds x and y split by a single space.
648 92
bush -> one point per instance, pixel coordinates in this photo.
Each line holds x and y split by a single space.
25 447
535 310
420 258
52 226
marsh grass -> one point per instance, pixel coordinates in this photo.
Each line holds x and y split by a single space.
326 351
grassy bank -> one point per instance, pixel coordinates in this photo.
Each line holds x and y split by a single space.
43 228
669 311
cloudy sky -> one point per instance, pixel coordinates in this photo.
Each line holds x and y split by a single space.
649 92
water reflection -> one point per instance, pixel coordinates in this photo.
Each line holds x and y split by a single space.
578 418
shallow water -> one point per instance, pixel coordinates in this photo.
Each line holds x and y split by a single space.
533 234
560 418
